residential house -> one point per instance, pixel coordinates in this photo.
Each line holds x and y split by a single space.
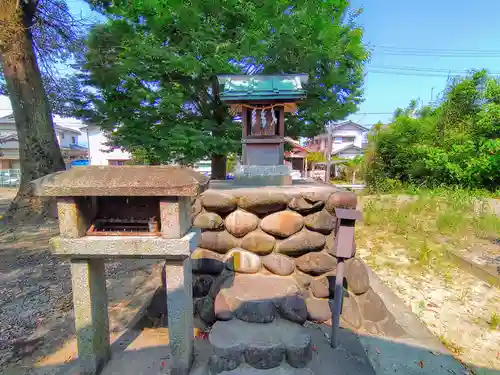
99 151
297 156
348 140
67 138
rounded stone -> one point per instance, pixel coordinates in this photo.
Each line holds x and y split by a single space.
329 242
206 310
256 311
218 201
301 243
279 264
371 327
239 260
390 327
372 306
318 310
293 308
258 242
196 207
298 351
206 261
252 296
282 224
208 220
356 275
222 309
239 223
320 221
302 279
303 206
319 195
226 358
220 242
324 286
316 263
351 312
263 202
341 199
264 355
202 285
224 278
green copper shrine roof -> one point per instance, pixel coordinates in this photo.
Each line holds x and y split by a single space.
244 88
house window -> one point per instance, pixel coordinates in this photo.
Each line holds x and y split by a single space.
348 139
73 140
116 162
62 135
337 140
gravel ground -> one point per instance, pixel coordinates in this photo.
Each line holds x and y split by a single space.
457 309
35 295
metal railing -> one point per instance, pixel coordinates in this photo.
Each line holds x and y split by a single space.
10 177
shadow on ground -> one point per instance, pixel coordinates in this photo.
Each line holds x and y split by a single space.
143 349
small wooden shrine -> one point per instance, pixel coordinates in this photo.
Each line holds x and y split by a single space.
261 101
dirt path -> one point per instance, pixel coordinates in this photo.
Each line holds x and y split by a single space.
6 196
457 307
36 299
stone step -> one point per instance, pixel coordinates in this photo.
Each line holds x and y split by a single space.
258 298
284 369
259 345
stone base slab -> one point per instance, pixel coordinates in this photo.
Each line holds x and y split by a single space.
127 246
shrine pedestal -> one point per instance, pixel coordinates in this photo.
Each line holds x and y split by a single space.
263 175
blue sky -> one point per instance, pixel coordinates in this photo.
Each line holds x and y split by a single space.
428 39
416 44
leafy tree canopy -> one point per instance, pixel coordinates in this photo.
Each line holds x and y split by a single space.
152 67
456 142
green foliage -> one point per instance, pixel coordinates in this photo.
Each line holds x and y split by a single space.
315 157
352 168
152 68
231 162
457 143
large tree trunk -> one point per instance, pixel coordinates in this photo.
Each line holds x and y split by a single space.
219 167
39 151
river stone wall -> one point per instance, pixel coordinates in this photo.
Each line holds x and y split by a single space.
268 251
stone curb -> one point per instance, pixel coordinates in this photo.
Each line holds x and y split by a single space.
474 269
417 333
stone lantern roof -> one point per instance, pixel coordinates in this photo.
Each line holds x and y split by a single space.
122 181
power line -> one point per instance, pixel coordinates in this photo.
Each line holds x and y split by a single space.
416 74
427 70
437 50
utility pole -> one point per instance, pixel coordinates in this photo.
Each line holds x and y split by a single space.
328 153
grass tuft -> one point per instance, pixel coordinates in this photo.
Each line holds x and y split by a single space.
494 321
453 346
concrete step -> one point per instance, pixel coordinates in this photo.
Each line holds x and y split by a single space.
284 369
259 345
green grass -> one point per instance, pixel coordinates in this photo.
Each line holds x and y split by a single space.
454 347
494 321
428 221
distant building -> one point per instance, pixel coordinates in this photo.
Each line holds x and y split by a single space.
98 150
348 140
297 156
68 139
